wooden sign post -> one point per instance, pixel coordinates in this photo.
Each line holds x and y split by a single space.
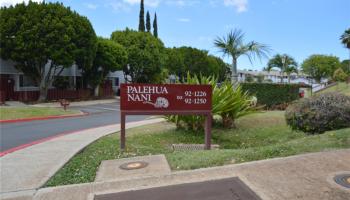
166 99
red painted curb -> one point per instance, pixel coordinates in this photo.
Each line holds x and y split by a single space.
41 118
3 153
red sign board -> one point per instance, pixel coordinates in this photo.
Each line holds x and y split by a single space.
165 97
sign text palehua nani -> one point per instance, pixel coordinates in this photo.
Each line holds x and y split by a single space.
167 97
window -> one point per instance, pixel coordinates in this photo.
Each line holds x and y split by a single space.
25 81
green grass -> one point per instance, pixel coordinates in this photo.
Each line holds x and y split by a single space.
258 136
7 113
340 87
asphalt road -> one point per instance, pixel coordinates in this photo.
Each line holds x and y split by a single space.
16 134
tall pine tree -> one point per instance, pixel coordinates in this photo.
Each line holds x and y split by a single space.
155 26
148 22
142 18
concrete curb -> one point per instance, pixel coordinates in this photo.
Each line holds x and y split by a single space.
32 167
308 181
6 121
78 103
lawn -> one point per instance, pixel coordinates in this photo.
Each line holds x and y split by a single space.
7 113
258 136
340 87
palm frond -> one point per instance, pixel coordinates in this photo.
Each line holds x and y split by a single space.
345 38
230 43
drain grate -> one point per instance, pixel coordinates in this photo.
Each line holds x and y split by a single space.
133 165
191 147
343 180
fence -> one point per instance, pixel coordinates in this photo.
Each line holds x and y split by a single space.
55 94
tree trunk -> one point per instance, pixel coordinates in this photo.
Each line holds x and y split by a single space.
227 122
349 60
234 76
96 90
282 76
43 88
43 93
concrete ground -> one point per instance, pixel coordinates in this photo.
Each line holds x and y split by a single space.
308 176
110 170
30 168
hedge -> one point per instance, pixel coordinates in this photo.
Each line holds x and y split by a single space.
271 94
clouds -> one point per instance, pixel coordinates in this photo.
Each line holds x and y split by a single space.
240 5
124 5
182 3
7 3
150 3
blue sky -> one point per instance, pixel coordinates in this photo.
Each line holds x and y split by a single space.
296 27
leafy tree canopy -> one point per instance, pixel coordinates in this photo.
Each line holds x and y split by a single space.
320 66
285 63
345 38
187 59
110 57
346 66
145 55
37 34
233 45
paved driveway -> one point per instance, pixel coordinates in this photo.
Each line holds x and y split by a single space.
16 134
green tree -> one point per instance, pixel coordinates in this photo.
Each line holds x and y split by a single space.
145 55
87 43
233 45
345 66
182 60
148 22
43 39
249 78
110 57
155 26
345 39
218 68
285 63
320 66
339 75
142 17
260 78
175 62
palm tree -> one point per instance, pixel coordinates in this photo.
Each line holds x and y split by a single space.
232 45
345 39
285 63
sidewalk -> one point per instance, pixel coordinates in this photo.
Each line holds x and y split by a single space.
78 103
29 168
302 177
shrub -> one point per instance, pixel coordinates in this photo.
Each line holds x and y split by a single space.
339 75
228 101
329 111
273 95
231 102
